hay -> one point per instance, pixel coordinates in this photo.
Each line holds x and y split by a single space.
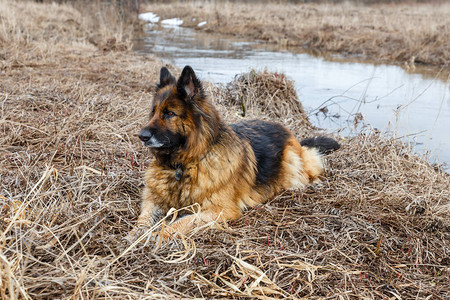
267 93
71 171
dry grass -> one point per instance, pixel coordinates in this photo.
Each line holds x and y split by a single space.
31 32
70 180
403 33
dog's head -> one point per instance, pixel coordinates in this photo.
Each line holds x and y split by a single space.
180 113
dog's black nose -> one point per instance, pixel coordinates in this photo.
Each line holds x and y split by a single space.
145 135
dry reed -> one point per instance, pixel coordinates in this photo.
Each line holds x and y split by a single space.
408 33
71 173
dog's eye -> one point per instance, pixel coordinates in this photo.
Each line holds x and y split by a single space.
169 114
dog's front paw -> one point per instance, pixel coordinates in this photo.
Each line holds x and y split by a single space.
133 235
129 240
142 236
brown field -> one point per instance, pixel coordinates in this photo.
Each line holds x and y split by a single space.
72 99
411 33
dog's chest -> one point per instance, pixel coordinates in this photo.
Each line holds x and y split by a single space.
209 179
173 188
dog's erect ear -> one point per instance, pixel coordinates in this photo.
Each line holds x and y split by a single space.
188 84
165 78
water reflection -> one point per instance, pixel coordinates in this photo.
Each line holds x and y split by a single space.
413 106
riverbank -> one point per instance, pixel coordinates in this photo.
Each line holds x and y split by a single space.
406 34
72 100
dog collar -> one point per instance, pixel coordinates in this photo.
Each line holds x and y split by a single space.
179 173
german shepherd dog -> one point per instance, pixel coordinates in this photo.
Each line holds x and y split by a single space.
198 159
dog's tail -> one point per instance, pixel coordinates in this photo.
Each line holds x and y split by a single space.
323 144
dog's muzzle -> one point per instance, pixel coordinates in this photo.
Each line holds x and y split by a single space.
148 139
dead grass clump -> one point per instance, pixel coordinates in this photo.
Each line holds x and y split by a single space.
270 94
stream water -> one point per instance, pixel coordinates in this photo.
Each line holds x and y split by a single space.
411 106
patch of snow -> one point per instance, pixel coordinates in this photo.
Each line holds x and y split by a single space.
149 17
172 22
201 24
